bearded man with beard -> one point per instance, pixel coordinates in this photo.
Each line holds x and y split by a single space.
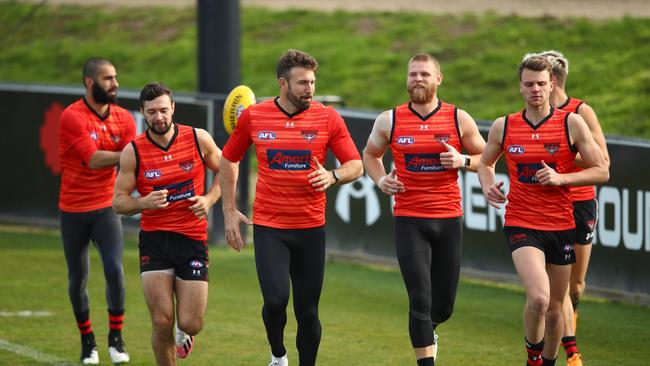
425 136
92 132
291 134
166 164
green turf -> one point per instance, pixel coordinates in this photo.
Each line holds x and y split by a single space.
362 55
363 312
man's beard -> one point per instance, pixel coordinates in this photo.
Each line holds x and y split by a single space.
421 94
101 96
157 130
297 102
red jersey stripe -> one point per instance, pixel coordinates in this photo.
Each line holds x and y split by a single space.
82 132
179 168
531 205
416 143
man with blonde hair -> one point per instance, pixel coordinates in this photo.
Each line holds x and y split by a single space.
425 136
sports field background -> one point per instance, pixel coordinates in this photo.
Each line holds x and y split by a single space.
363 312
363 309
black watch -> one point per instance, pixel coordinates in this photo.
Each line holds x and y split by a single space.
467 161
336 176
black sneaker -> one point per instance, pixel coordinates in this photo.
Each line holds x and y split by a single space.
117 350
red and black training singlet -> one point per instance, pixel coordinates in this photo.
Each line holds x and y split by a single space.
180 169
416 143
578 193
82 132
285 144
531 205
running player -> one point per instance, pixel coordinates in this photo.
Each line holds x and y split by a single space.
166 164
540 144
93 131
425 136
291 134
585 205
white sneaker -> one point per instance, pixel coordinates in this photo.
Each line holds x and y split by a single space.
435 345
117 350
279 361
91 358
184 343
118 357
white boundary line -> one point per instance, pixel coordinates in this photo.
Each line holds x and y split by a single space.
34 354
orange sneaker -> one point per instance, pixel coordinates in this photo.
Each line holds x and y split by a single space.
575 360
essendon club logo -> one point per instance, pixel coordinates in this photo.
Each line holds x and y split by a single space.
423 163
442 138
552 147
309 135
526 172
186 165
289 159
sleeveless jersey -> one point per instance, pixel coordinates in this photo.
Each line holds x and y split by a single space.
180 169
285 144
82 132
531 205
578 193
416 143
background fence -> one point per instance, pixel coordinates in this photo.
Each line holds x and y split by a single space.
359 217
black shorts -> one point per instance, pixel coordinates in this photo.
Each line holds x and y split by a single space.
556 245
163 250
585 214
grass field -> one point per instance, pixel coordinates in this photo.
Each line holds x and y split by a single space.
362 55
363 312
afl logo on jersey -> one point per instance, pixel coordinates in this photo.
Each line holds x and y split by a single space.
266 135
152 174
516 149
405 140
93 135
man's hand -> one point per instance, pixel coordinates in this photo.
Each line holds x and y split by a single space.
232 219
201 207
451 159
320 178
155 200
390 185
494 195
547 176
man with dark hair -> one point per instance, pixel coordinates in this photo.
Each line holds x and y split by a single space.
166 164
291 134
425 136
540 145
93 131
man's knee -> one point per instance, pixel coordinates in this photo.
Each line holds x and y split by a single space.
440 314
276 303
162 322
538 304
191 326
